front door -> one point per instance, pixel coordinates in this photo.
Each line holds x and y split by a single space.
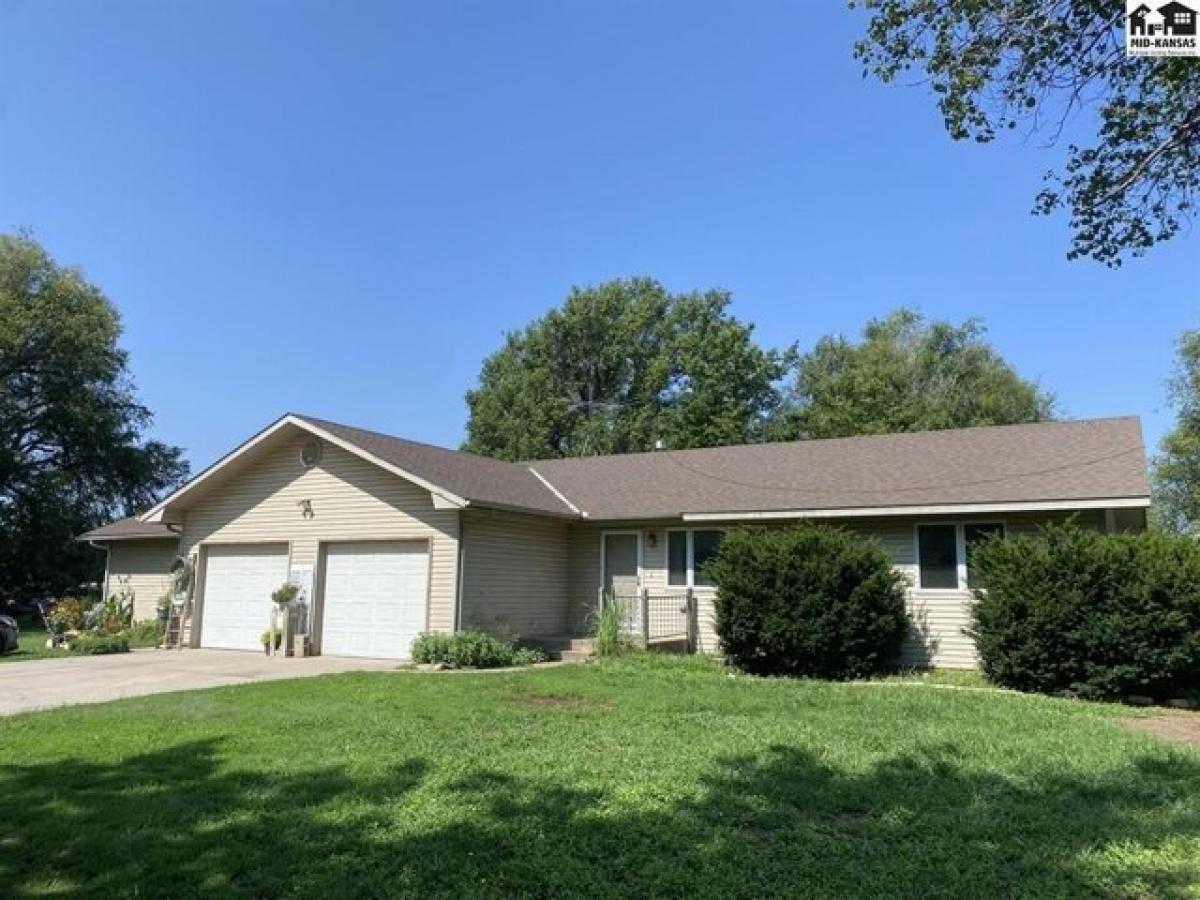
621 564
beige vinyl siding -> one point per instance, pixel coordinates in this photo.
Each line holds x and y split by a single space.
352 499
939 617
583 574
142 566
514 574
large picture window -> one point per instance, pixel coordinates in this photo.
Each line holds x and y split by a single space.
944 554
687 552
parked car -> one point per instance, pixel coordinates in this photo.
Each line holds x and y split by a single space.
9 632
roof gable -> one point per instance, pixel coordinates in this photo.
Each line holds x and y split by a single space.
454 479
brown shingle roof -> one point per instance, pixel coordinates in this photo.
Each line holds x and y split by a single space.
1052 461
126 529
488 482
1090 459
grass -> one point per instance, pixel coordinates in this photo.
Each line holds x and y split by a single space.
637 776
31 644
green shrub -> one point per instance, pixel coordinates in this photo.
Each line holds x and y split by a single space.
1104 615
271 635
144 634
527 656
68 614
471 650
608 628
94 643
809 601
111 616
431 647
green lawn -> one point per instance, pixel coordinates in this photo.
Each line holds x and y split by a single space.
31 644
643 777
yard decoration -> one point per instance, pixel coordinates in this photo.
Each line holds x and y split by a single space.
271 639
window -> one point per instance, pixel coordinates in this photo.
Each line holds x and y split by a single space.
687 552
944 554
938 556
677 565
1183 18
973 533
704 547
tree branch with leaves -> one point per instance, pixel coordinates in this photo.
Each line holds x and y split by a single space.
1033 65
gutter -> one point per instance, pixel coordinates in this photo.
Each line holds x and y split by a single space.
846 512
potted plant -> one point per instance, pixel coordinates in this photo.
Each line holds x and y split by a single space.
285 594
164 609
272 636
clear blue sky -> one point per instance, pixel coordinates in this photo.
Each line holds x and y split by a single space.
340 208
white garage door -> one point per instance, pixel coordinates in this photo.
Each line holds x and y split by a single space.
374 598
238 582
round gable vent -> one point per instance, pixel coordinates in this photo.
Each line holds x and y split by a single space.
310 454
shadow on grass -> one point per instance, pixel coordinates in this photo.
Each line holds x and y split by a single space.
178 822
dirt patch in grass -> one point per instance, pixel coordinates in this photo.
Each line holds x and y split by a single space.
553 701
1182 728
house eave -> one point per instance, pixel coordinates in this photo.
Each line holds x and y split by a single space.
941 509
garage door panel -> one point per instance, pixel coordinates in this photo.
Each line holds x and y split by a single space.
238 582
374 598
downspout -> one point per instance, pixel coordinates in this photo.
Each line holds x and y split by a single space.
458 582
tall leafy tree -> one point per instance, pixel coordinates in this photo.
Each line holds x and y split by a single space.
906 374
1176 470
620 366
72 447
1030 65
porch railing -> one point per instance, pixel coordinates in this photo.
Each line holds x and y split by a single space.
652 617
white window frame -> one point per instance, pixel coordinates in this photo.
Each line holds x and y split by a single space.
960 551
689 560
687 557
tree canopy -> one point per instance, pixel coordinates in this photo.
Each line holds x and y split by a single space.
1176 470
1030 65
619 367
906 374
72 448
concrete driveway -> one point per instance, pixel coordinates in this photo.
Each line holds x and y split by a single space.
44 683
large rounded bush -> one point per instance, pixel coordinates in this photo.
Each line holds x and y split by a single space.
809 601
1074 609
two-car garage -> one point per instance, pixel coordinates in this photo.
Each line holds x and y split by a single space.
371 599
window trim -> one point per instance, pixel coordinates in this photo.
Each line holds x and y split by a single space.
960 552
689 559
